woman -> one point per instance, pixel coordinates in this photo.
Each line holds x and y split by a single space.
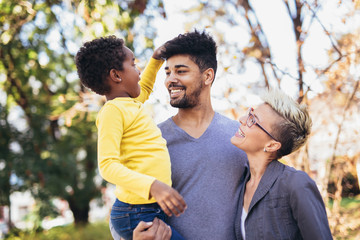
277 201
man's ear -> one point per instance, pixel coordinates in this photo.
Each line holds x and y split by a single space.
209 76
272 146
115 76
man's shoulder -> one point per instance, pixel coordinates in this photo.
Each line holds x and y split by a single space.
224 122
165 123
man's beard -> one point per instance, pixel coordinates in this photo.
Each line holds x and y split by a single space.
188 101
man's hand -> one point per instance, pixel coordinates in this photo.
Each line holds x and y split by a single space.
170 201
156 230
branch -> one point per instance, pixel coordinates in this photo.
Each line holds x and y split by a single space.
347 105
357 51
255 32
22 100
332 160
275 67
324 28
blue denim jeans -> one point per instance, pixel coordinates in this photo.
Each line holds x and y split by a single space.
125 217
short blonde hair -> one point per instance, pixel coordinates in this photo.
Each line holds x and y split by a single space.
295 128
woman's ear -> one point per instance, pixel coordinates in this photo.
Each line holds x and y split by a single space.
115 76
209 76
272 146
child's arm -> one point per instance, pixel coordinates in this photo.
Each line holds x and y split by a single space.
110 124
148 77
168 198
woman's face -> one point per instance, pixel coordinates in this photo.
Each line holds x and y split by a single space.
254 138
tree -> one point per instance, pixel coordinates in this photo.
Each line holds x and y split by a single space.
342 82
48 144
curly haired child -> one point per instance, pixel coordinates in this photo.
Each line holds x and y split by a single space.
131 151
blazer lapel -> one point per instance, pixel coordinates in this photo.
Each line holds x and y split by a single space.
272 172
240 204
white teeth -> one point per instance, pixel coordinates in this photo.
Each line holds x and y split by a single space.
176 91
241 133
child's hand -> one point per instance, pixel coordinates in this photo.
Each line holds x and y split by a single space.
168 198
158 52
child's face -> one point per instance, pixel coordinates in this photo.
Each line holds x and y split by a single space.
130 75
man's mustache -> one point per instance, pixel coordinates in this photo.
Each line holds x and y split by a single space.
172 85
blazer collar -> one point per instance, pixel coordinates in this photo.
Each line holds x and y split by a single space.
272 172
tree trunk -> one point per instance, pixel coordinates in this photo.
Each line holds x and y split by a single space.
81 213
358 170
335 213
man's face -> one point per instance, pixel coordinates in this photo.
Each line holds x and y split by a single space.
183 81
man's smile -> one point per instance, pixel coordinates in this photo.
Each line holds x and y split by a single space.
175 90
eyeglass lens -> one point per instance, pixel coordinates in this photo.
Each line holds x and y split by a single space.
251 119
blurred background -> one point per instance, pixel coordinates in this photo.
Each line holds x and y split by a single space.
50 185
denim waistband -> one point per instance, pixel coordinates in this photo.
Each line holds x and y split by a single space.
123 204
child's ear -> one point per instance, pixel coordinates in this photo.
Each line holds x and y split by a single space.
115 76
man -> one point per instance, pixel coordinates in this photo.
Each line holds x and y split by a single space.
207 170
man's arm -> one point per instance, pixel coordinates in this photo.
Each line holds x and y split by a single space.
156 230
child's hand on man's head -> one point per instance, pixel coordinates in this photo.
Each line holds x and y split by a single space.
158 52
170 201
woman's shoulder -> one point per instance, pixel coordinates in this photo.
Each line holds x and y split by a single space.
296 179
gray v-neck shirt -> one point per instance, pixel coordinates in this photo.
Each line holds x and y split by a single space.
208 172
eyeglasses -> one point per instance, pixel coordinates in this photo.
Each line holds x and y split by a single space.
251 120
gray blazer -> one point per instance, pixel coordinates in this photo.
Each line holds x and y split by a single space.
286 205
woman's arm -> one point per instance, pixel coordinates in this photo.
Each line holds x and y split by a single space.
308 208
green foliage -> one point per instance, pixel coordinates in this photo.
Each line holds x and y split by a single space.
48 145
348 203
88 232
349 228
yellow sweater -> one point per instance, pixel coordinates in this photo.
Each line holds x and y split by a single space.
131 150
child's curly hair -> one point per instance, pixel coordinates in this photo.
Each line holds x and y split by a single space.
96 58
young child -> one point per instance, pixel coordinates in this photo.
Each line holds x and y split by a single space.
131 151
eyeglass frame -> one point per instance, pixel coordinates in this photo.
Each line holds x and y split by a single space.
250 110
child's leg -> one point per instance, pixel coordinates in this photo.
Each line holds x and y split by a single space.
125 217
175 235
120 219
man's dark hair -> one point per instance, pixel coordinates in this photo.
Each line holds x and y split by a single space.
199 45
96 58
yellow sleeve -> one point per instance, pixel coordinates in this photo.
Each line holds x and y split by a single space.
148 79
110 125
